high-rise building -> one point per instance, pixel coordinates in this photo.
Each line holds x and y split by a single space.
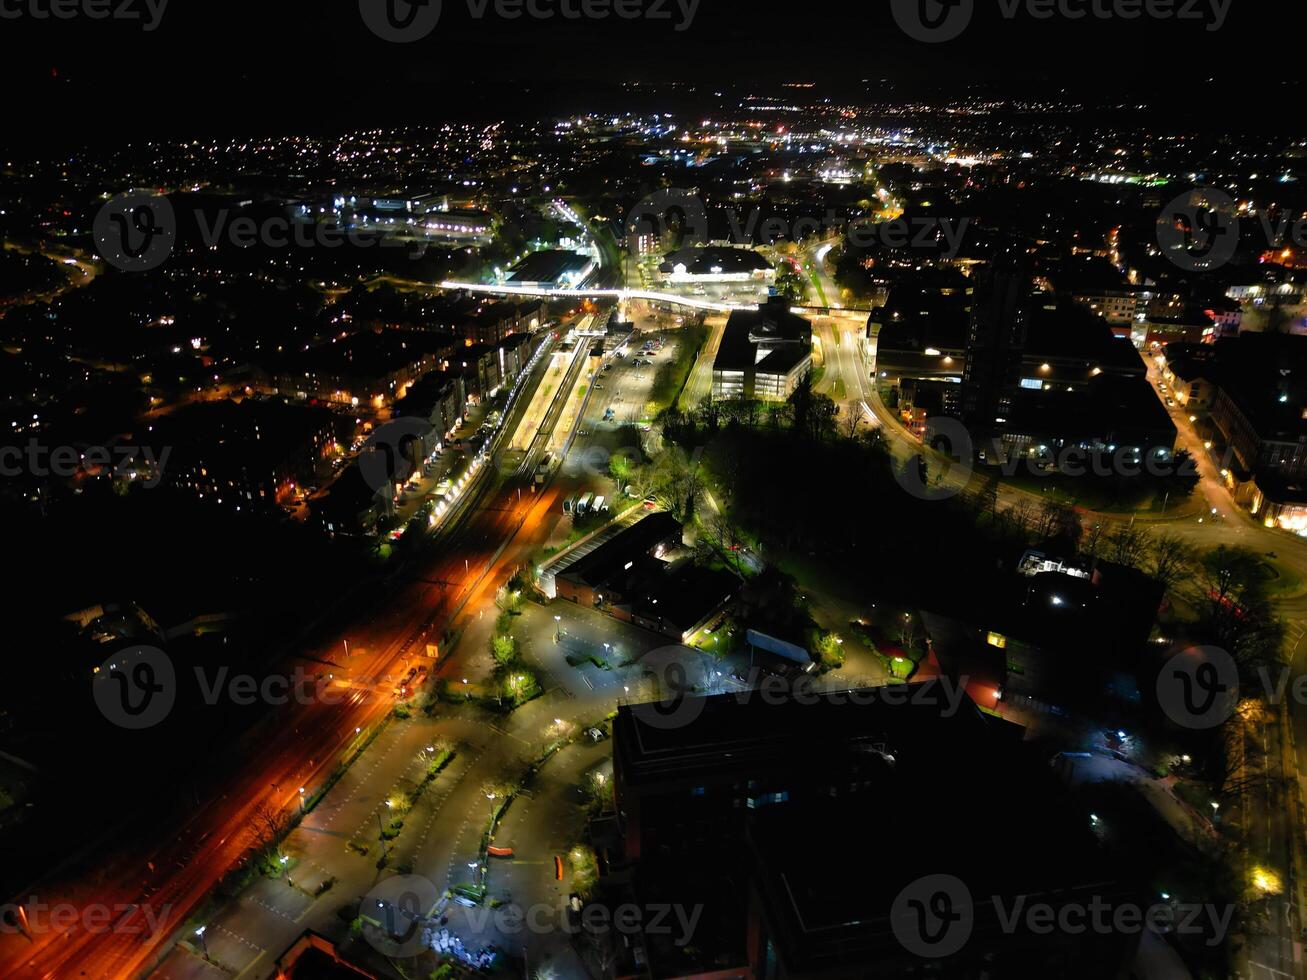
999 318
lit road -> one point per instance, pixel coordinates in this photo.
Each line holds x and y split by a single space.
299 746
699 386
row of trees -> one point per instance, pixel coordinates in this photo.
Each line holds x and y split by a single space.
512 680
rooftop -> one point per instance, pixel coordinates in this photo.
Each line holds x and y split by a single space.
770 337
610 558
1266 376
715 260
722 734
549 265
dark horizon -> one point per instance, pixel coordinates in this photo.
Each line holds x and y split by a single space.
293 70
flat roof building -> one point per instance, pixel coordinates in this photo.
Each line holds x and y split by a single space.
736 791
715 264
552 268
764 353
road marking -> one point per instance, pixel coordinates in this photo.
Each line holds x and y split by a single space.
508 734
242 940
1263 966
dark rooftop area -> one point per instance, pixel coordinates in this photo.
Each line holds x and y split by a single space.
772 325
716 260
547 266
1266 375
602 564
1071 331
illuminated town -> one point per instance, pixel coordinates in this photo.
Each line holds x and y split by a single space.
635 490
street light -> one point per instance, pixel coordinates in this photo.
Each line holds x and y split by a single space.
301 801
203 945
558 629
381 829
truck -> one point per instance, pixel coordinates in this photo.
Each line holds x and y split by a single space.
599 505
583 505
569 505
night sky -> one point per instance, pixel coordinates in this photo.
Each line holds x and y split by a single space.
277 66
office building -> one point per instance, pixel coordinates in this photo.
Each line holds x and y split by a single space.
764 353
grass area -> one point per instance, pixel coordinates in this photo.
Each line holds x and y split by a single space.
1083 492
838 391
669 382
816 284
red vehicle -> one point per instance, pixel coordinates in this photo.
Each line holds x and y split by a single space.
500 852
